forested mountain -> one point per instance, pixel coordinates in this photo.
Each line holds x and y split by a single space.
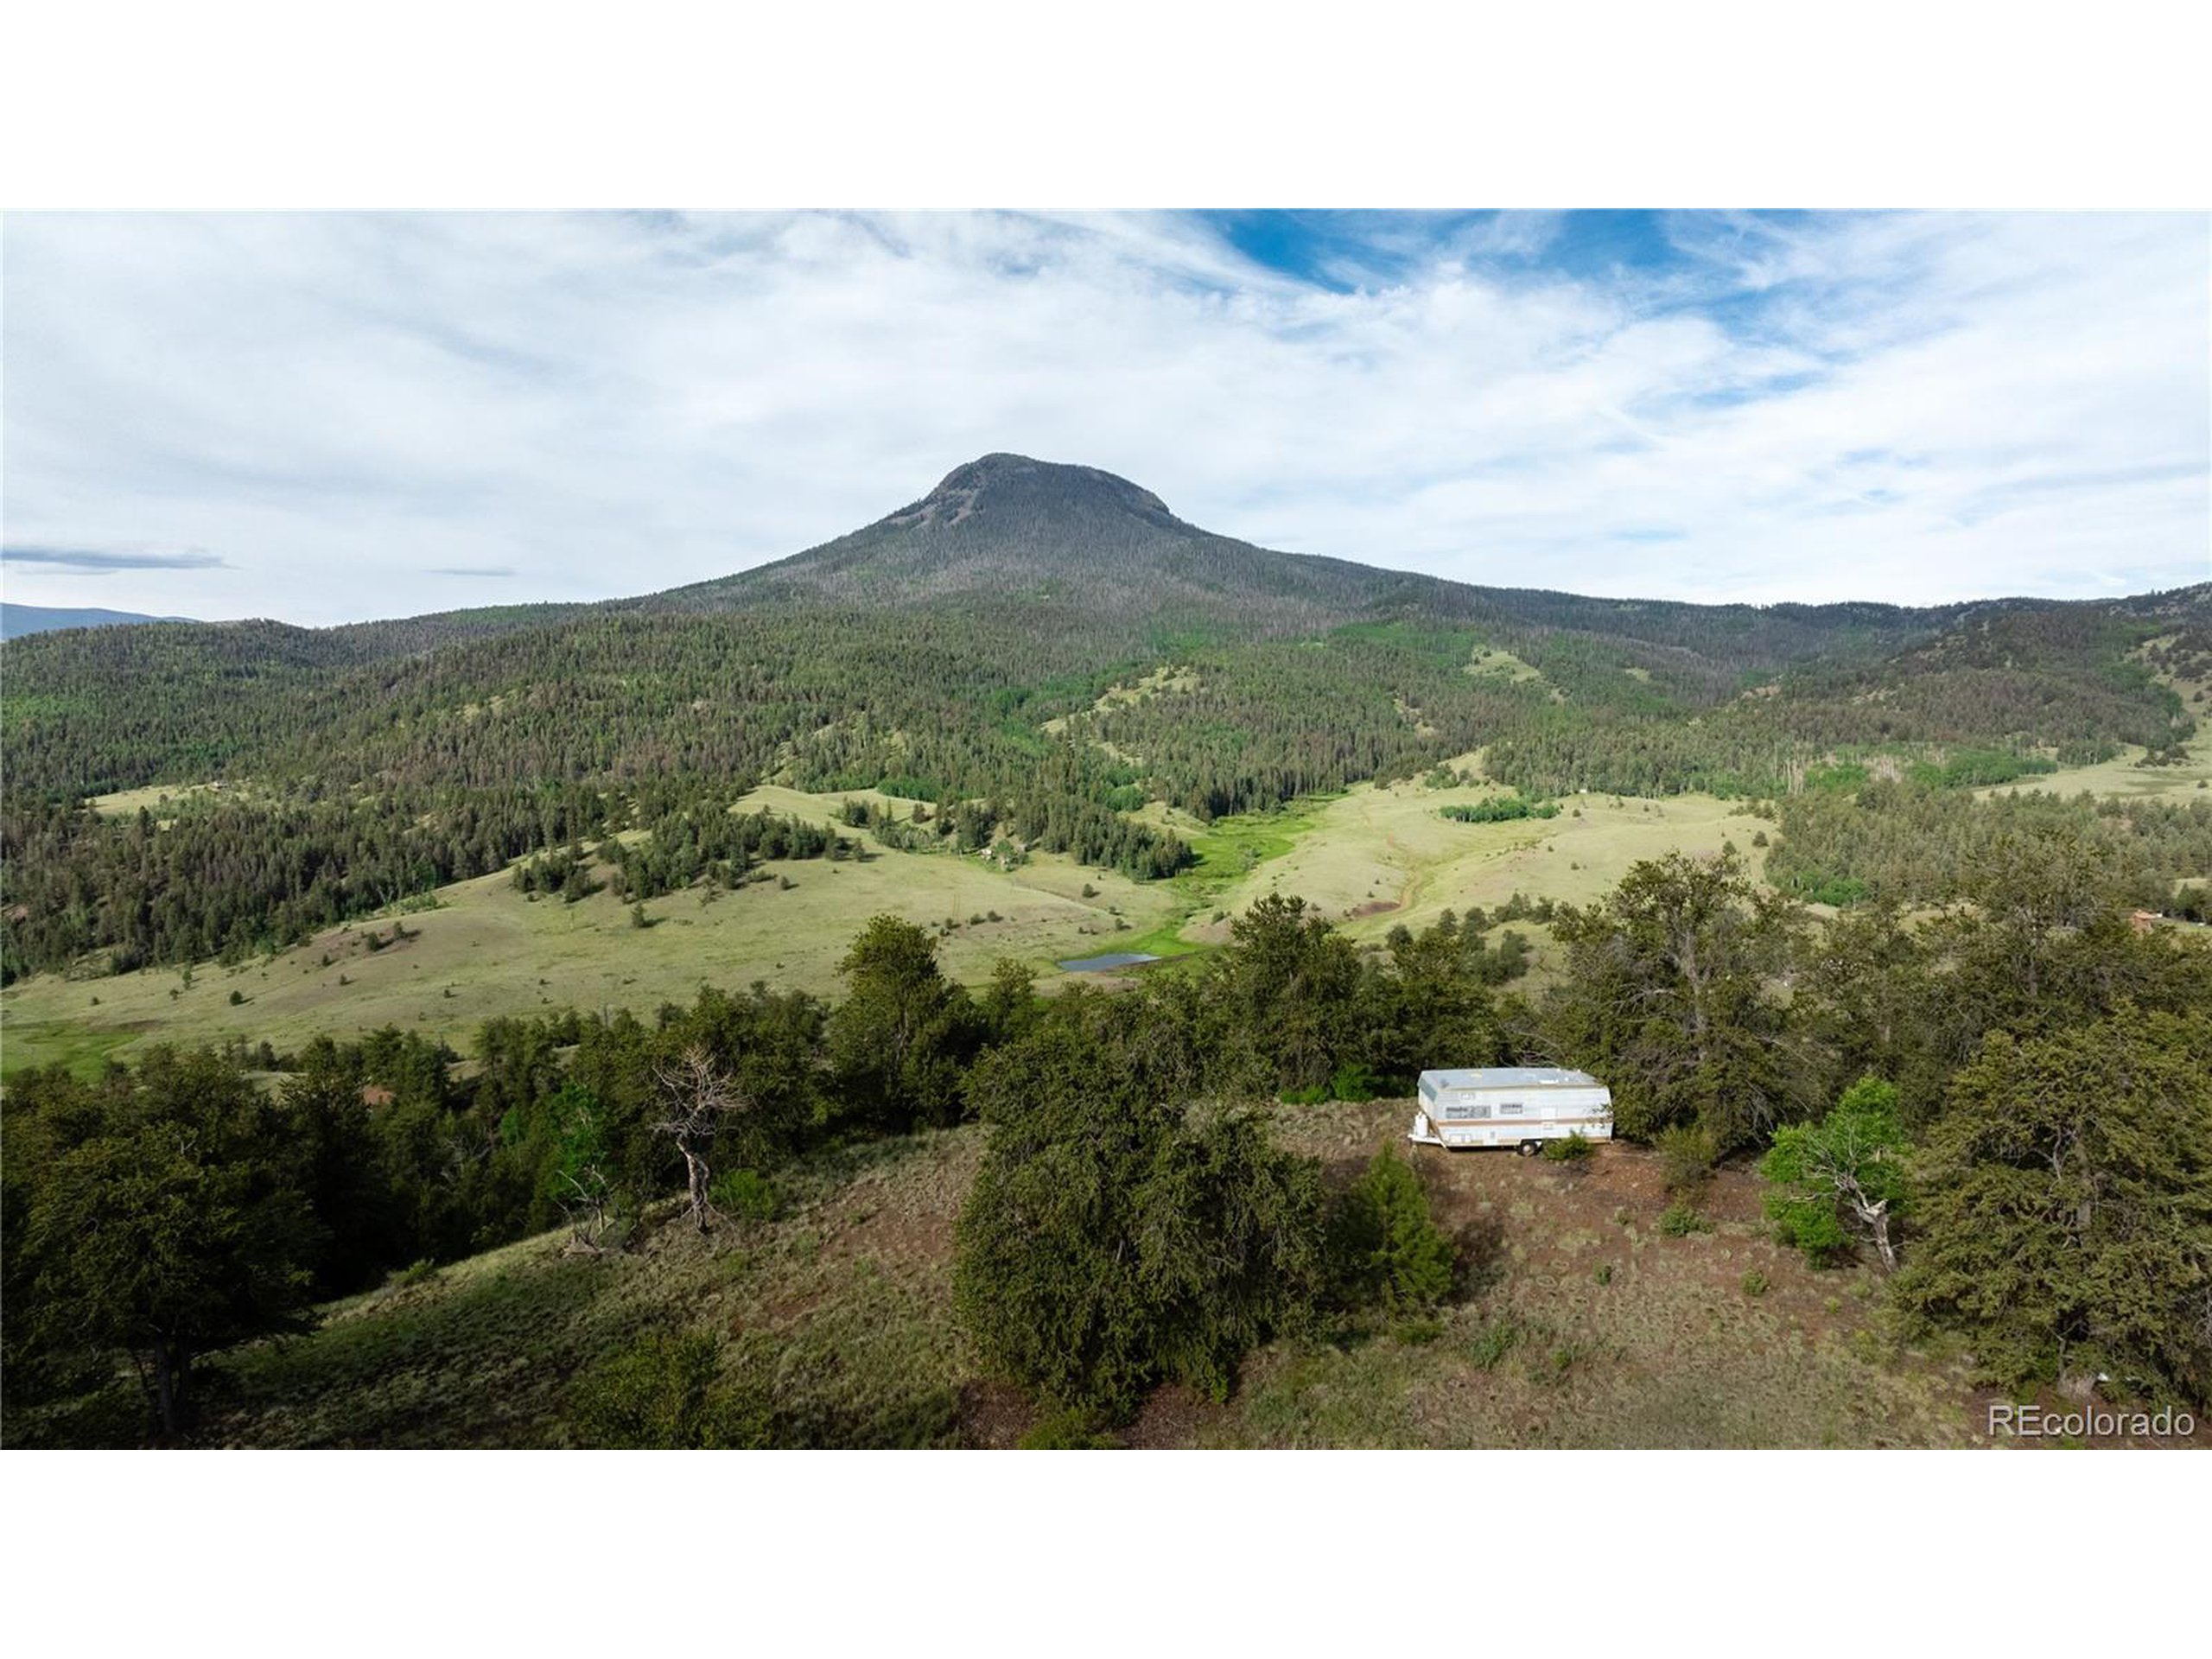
1050 642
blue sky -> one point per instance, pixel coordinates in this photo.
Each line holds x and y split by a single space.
330 417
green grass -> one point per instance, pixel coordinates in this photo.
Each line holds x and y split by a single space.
2120 777
1368 859
838 1316
154 796
1371 857
1375 856
32 1042
497 952
1227 851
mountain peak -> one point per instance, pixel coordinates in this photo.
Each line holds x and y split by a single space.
1029 489
1075 541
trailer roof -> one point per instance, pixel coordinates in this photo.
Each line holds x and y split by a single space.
1510 1076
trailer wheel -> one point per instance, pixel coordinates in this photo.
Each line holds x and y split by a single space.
1530 1148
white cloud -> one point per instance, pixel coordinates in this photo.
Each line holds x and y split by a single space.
1912 408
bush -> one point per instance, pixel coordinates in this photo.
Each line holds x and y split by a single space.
1116 1236
1492 1343
1388 1248
660 1393
1500 809
746 1194
1680 1220
1686 1153
1576 1149
1357 1081
1755 1283
1066 1431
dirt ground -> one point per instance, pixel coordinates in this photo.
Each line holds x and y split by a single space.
1577 1323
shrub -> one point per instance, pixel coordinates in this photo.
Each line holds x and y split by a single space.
745 1193
1500 809
1492 1343
1686 1153
1070 1430
1680 1220
659 1393
1576 1149
1755 1283
418 1272
1389 1250
1116 1236
1356 1080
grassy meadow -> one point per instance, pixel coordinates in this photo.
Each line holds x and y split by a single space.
1373 857
487 949
1367 857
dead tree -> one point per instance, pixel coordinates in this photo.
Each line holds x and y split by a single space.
703 1100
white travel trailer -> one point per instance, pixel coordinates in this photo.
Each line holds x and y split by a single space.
1519 1106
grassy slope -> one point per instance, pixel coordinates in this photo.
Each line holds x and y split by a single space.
845 1303
2122 777
1377 856
1369 858
500 953
845 1297
154 797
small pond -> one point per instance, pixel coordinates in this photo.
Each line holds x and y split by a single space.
1107 963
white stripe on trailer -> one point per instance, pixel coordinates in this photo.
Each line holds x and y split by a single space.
1510 1106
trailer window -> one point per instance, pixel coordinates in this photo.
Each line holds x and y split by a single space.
1510 1109
1461 1112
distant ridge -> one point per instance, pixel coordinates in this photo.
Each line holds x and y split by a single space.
18 620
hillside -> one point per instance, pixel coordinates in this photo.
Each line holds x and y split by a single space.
1577 1323
1049 644
1049 538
